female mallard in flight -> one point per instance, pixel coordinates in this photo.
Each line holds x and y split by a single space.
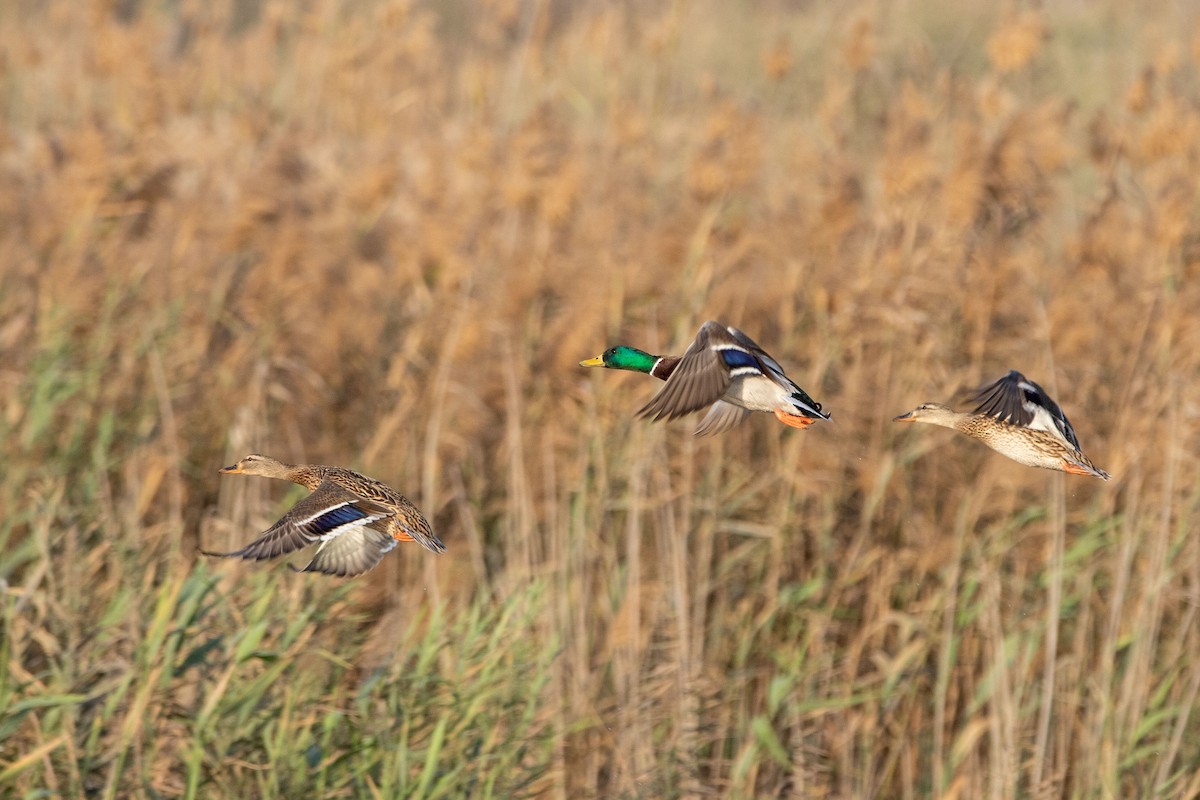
356 519
1015 417
723 368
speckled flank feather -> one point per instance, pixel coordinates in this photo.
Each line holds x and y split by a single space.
355 520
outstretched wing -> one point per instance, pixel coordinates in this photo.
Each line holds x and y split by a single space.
1019 401
767 363
326 514
703 375
720 418
351 553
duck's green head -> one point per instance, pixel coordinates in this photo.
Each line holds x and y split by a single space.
622 357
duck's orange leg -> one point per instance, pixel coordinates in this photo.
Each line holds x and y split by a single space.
1076 469
793 420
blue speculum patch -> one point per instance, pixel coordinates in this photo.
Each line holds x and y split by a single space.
338 516
737 358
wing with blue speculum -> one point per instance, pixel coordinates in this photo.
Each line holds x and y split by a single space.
326 514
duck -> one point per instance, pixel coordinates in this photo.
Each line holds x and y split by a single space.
723 370
1017 418
355 519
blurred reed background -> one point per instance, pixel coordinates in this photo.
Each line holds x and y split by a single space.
382 234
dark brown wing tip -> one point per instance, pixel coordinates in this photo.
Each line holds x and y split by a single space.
214 554
330 572
242 554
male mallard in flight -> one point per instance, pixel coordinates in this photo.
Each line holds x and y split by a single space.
1015 417
356 519
723 368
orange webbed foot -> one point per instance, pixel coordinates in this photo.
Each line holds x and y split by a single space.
1076 469
793 420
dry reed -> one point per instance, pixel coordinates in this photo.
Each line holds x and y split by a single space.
382 234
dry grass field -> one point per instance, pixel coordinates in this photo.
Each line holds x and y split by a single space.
382 235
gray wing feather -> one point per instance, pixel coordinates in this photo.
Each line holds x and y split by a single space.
1019 401
352 553
720 418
